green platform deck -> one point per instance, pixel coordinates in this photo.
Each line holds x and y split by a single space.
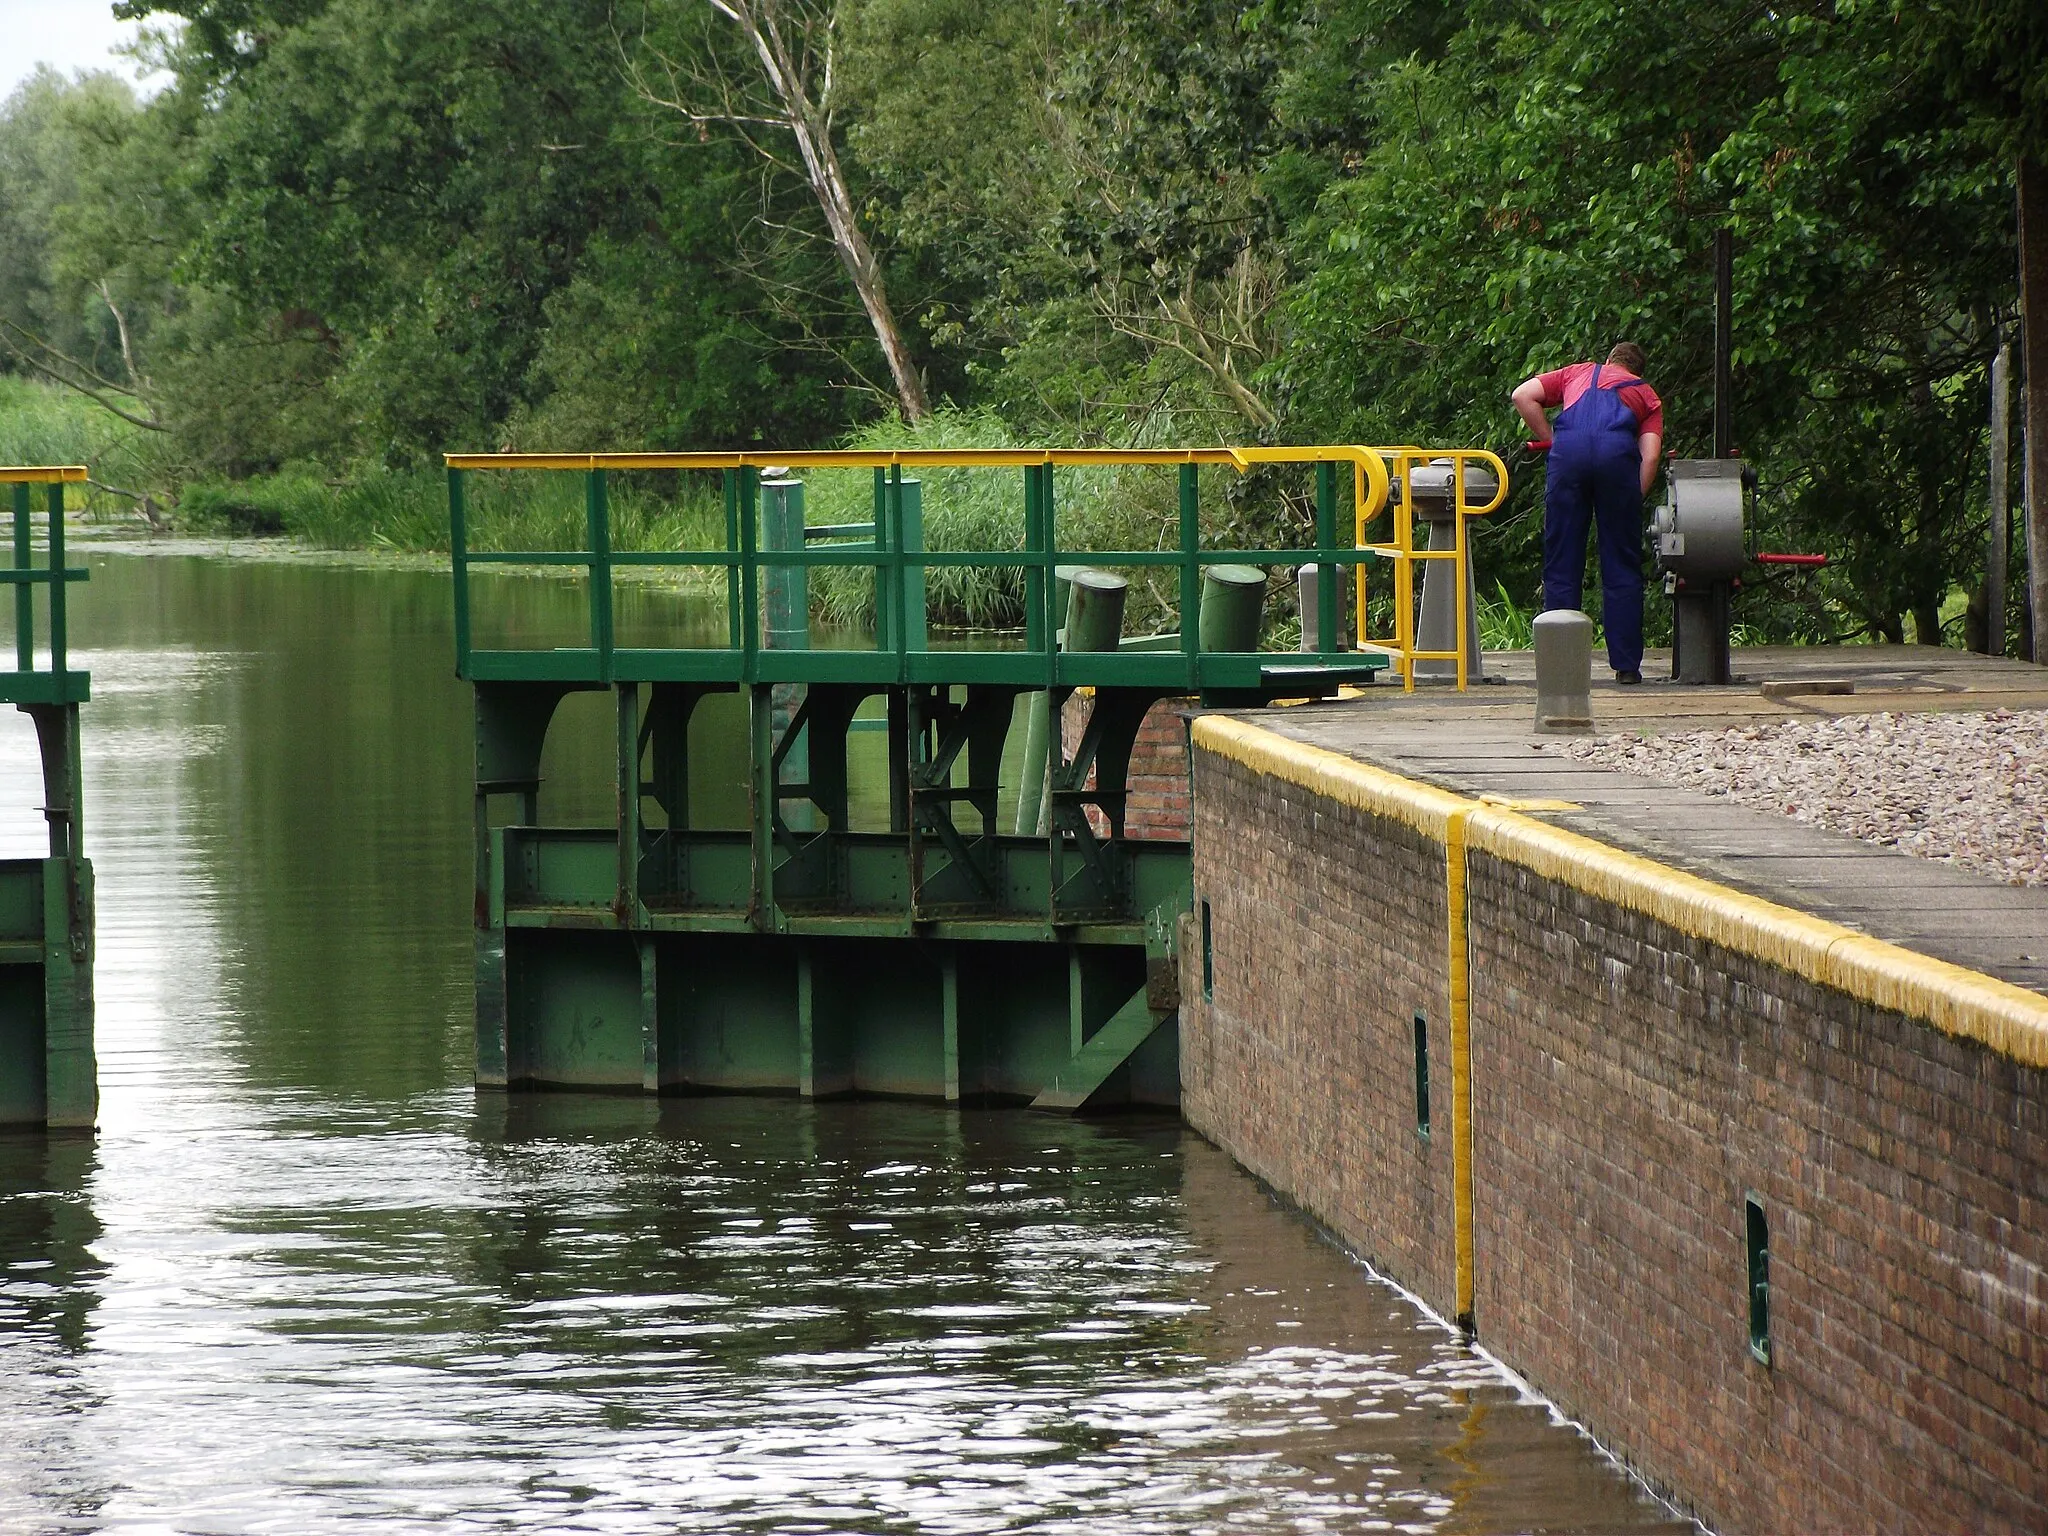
48 1075
933 953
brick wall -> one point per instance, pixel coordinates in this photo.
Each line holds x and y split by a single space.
1632 1086
1157 785
1328 936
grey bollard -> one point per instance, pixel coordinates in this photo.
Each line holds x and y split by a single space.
1306 583
785 589
1564 671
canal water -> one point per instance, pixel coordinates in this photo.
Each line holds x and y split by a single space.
305 1280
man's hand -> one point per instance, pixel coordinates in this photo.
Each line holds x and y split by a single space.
1652 446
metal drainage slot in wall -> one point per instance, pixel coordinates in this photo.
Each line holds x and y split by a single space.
1758 1242
1421 1075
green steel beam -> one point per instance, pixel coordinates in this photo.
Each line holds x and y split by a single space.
1094 1062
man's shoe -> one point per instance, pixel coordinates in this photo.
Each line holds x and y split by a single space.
1628 677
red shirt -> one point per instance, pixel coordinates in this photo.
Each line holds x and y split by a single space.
1563 386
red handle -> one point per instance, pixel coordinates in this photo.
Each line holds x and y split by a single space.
1535 447
1791 559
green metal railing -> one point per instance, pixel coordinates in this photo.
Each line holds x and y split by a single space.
900 563
26 683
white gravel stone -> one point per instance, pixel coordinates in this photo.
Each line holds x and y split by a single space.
1967 789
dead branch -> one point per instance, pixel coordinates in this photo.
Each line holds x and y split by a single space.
794 44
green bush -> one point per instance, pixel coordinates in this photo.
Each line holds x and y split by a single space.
46 424
41 424
261 505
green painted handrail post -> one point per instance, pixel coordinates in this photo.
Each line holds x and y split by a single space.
910 545
899 632
597 514
730 483
1049 555
1327 639
458 548
1035 636
24 594
1191 572
57 581
760 702
885 638
1048 562
749 510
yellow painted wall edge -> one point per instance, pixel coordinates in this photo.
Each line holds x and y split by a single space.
1952 998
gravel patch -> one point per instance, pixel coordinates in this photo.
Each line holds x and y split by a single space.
1967 789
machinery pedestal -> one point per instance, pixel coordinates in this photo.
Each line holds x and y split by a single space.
1700 624
1436 629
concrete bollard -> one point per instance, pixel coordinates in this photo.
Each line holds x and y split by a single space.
1564 671
1306 587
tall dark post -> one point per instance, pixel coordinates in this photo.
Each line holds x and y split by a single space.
1724 343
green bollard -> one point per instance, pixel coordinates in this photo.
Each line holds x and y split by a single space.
1095 610
1233 600
1062 587
1093 602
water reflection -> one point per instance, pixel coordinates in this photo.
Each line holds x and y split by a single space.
304 1280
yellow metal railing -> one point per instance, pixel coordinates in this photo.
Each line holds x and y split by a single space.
1401 464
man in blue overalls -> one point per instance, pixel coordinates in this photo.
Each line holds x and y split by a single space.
1603 457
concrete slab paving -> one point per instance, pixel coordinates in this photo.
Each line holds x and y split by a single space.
1484 742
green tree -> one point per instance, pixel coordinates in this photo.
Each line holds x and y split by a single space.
1534 186
780 97
1990 60
76 296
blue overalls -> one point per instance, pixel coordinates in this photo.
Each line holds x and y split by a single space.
1595 470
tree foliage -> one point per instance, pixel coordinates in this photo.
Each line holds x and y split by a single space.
1539 185
360 232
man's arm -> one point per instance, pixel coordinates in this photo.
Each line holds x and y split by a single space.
1528 398
1652 446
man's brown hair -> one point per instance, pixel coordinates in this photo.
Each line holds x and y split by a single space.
1627 354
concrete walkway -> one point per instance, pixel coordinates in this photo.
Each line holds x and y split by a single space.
1483 742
